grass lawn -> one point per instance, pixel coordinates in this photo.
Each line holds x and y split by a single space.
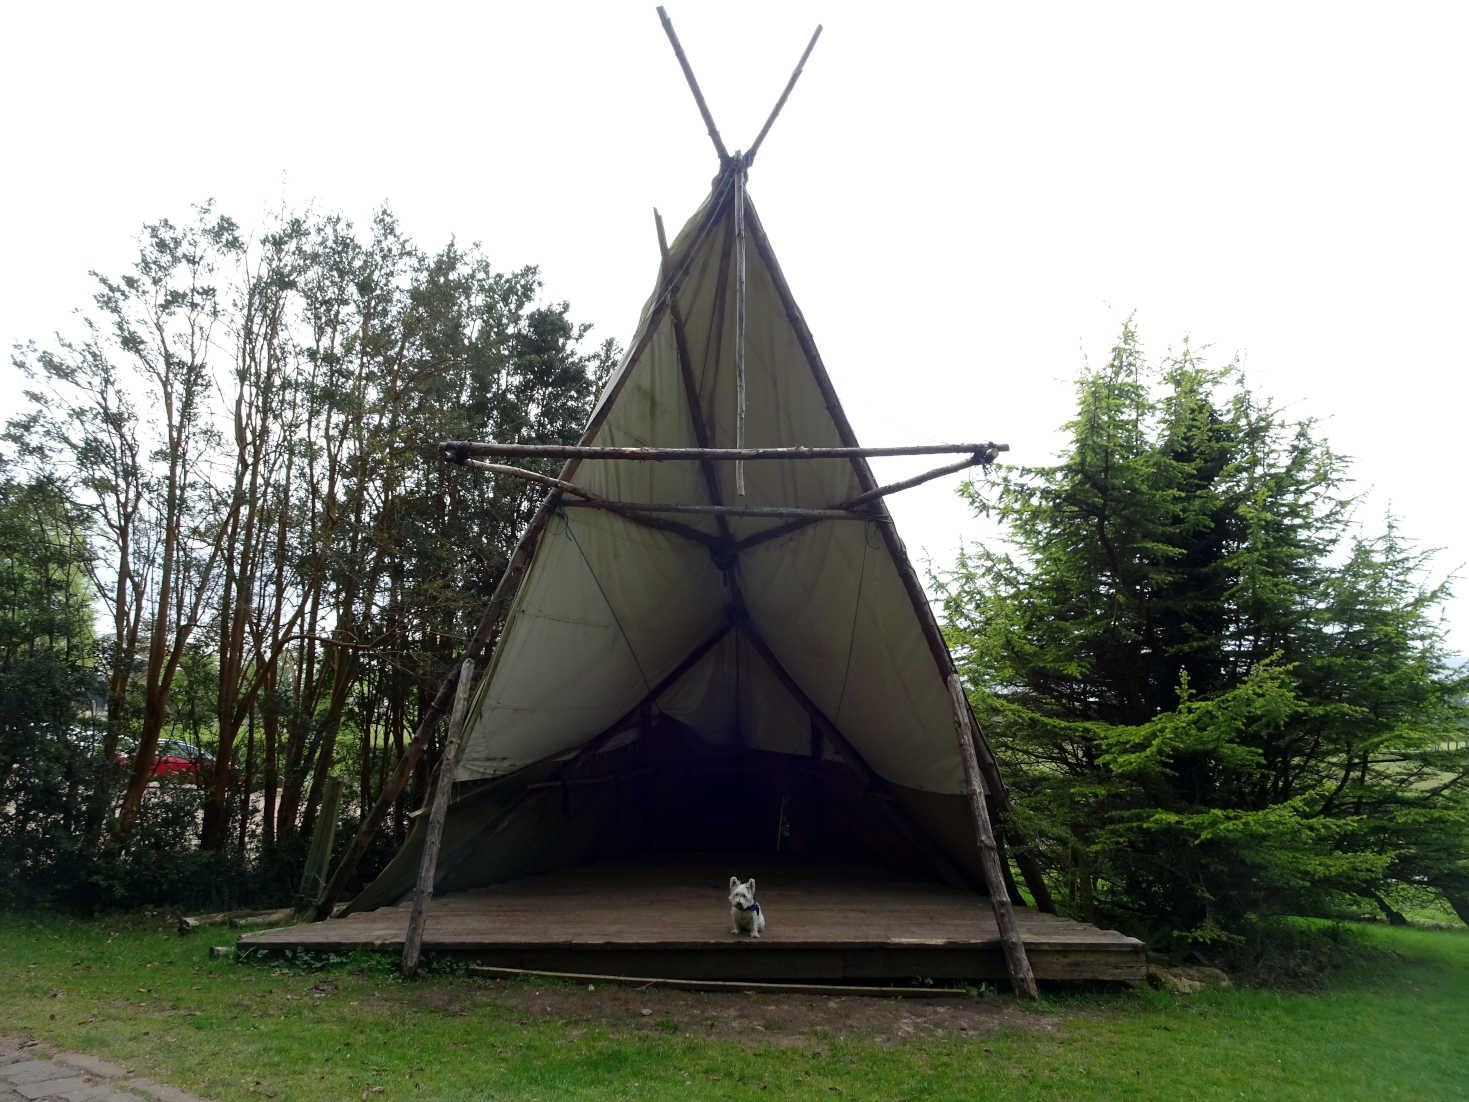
132 991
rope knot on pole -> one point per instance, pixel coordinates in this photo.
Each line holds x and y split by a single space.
986 454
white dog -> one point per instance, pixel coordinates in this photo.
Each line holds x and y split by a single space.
745 916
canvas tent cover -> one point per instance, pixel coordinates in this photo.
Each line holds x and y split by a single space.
609 608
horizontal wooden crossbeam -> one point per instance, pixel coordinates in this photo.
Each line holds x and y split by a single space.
459 451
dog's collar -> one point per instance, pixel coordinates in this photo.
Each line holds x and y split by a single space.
753 907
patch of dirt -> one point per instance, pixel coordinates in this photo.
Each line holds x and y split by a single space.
755 1019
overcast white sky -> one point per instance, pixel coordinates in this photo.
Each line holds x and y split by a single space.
966 199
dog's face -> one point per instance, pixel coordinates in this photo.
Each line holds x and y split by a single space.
741 896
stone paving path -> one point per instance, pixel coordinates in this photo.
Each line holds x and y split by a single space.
30 1071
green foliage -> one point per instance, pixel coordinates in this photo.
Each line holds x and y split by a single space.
49 757
1216 699
45 592
236 455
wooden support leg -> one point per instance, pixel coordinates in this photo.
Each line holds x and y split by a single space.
434 833
989 853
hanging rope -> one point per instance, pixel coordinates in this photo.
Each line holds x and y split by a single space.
566 520
867 533
739 222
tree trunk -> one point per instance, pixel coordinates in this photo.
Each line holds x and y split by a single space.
1458 899
270 724
1394 916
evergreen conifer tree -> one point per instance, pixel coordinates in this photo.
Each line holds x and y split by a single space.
1217 701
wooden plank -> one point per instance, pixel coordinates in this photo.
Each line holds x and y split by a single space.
758 963
728 985
264 918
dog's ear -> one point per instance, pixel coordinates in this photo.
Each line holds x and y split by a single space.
752 885
733 882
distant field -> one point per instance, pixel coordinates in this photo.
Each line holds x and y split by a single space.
132 991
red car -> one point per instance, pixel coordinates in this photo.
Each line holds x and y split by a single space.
178 760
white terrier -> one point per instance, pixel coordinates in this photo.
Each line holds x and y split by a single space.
745 916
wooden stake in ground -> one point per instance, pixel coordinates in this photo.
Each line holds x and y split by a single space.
434 831
989 854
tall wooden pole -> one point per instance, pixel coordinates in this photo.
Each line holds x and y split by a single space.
688 73
434 833
739 348
785 95
1016 961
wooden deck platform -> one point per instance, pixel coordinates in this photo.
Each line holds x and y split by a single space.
671 920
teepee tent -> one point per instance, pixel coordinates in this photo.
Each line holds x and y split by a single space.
710 636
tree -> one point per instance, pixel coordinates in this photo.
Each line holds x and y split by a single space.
146 474
1217 701
253 428
49 759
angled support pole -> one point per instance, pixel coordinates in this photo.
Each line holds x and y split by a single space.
688 73
1016 959
785 95
978 459
423 894
690 387
587 497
